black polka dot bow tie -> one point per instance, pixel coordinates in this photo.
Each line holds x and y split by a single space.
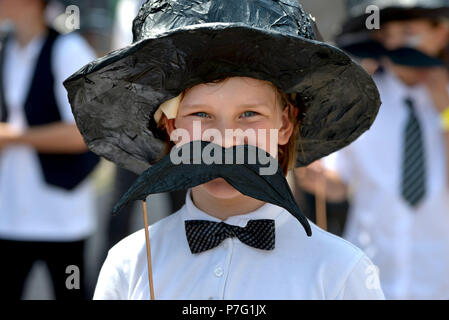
203 235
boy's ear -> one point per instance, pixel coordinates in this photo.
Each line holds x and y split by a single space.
169 124
286 130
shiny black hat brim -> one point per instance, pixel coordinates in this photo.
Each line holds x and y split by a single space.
115 97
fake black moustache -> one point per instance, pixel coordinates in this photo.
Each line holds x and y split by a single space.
402 56
244 175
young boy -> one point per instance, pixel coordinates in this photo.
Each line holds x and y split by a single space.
248 46
398 171
47 208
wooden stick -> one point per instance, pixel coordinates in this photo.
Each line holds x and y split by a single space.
147 240
320 204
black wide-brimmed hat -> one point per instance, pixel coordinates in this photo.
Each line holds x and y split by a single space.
392 10
181 43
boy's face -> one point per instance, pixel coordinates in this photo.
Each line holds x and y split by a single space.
421 34
16 9
234 110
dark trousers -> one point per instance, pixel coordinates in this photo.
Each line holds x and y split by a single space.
17 258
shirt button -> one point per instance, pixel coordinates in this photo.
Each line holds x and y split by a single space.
218 271
211 298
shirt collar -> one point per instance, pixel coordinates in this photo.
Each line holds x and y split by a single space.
31 49
402 91
266 211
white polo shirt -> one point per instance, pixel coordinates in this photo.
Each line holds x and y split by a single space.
31 209
319 267
409 245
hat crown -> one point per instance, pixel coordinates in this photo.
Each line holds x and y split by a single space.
156 17
356 8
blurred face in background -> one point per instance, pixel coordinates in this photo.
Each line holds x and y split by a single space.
427 36
16 10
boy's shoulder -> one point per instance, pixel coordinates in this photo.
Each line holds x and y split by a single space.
330 238
134 244
333 245
322 248
333 255
345 269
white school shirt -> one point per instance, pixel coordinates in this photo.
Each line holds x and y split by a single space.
410 246
319 267
30 209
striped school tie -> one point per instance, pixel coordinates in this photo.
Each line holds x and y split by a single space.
413 161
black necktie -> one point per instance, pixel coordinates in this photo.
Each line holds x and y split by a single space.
203 235
413 161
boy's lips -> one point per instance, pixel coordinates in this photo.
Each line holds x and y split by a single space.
165 176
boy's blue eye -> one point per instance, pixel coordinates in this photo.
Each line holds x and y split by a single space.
249 113
201 114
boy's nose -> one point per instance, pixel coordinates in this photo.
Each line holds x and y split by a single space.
230 134
228 142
